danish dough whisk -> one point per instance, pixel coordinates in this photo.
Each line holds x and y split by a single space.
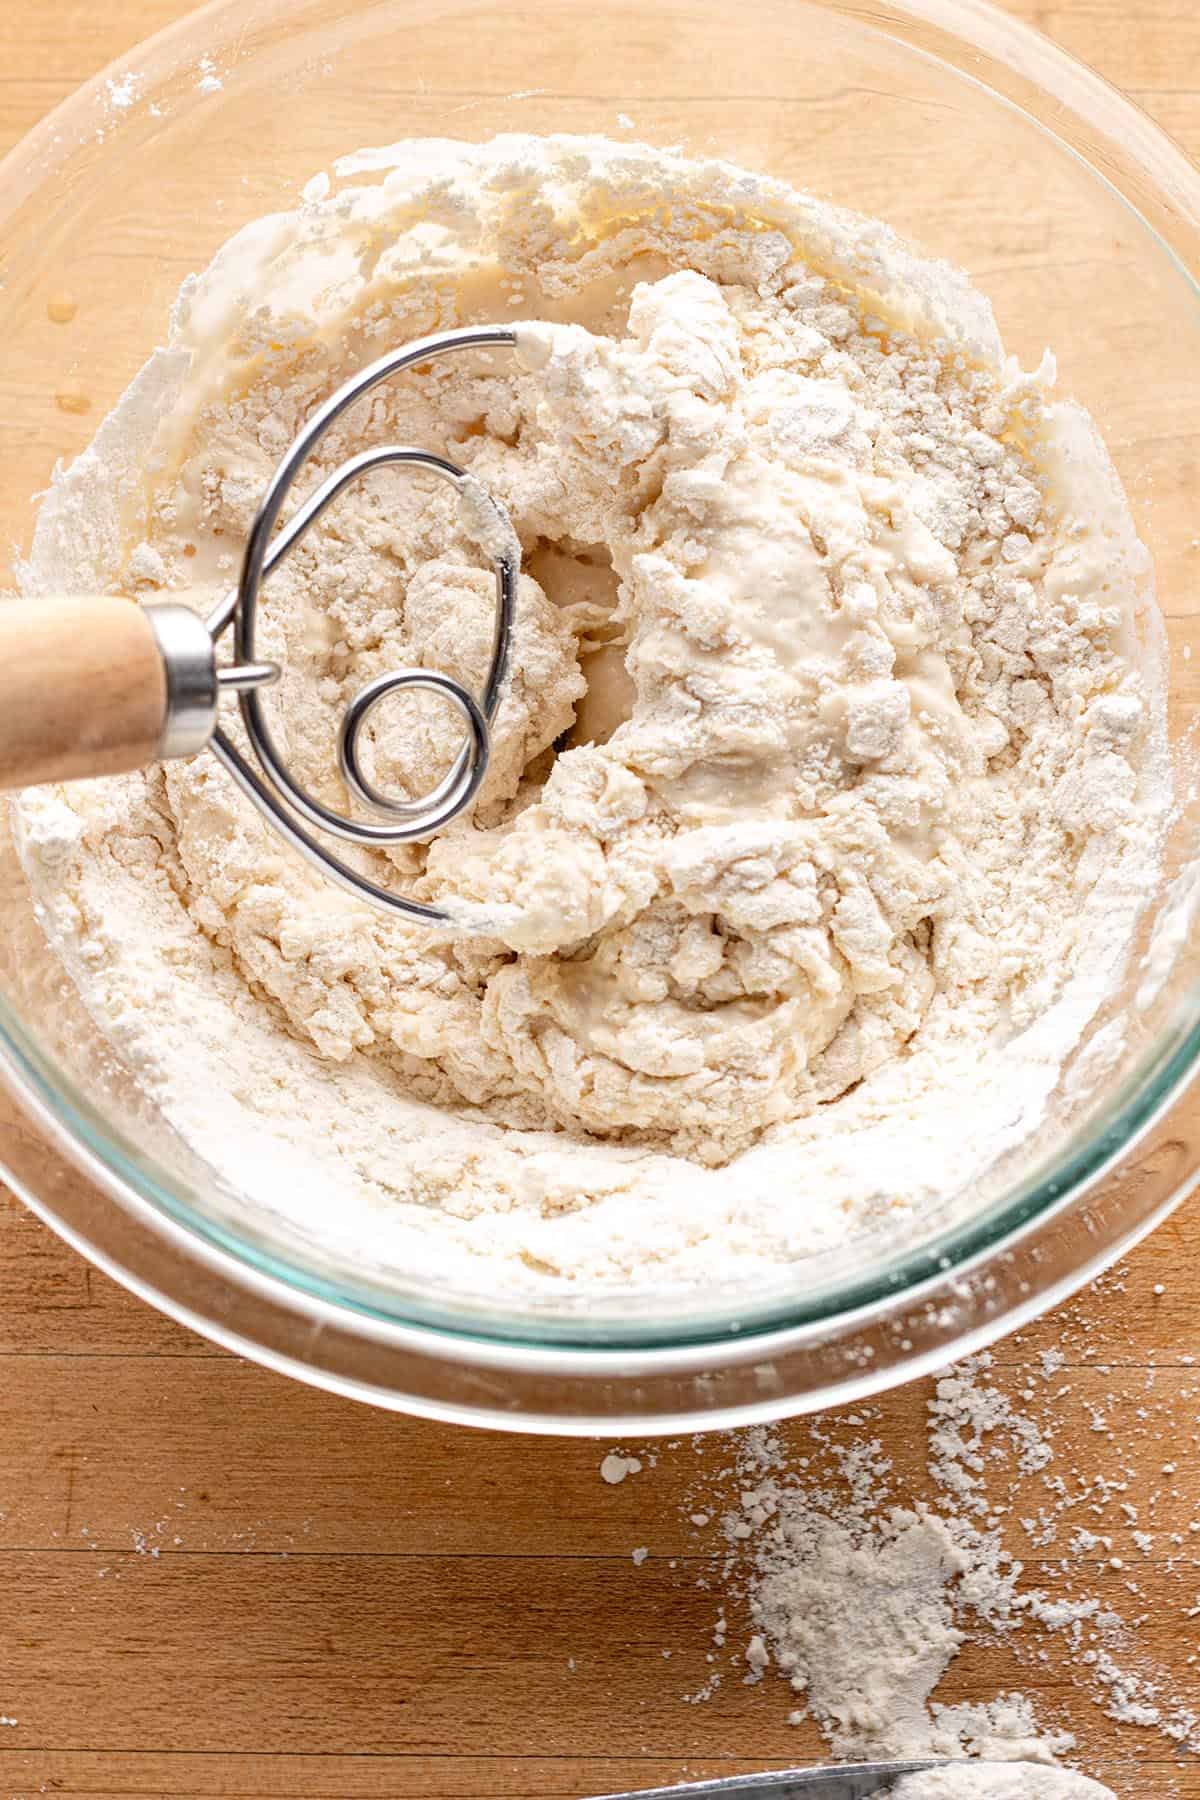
94 685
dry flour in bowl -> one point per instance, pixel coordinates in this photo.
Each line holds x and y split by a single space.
826 791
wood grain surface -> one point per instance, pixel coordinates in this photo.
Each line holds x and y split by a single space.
214 1582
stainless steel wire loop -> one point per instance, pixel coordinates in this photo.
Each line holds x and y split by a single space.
287 805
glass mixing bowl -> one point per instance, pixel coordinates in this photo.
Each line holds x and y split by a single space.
971 135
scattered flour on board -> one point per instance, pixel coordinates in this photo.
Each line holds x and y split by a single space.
858 1586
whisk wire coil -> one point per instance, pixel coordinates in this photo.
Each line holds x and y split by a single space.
288 806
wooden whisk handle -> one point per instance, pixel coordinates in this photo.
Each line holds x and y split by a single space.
97 685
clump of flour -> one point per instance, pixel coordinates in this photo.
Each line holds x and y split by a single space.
824 795
862 1604
616 1467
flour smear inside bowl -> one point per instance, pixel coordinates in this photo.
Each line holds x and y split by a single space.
826 790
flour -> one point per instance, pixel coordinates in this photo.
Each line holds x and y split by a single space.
1021 1783
825 793
614 1468
860 1604
852 1582
899 1576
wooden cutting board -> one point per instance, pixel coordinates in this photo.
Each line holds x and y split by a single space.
214 1582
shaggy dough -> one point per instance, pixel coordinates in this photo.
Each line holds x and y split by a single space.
726 912
824 730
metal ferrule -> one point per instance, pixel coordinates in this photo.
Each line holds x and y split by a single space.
190 664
